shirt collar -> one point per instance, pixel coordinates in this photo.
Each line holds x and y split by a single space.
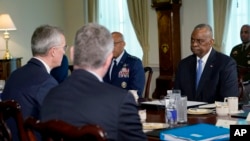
247 44
97 76
46 66
119 57
205 57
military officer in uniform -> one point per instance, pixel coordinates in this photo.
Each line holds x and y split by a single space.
241 54
126 71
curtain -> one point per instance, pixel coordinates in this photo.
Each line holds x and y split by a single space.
239 15
138 13
90 11
227 25
115 16
221 21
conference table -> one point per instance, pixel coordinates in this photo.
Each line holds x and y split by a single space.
156 114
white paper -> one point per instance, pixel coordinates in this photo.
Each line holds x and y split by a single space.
248 117
225 123
162 103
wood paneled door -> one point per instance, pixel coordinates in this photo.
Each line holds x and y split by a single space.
168 18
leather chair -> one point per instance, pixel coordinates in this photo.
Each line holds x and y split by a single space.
71 68
58 130
148 72
242 71
11 109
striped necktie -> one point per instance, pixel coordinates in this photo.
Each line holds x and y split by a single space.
198 72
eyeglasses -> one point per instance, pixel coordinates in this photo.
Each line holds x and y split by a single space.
198 41
115 43
64 47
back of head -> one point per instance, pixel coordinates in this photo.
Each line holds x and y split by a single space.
45 37
93 44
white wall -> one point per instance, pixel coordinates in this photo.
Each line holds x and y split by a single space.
73 20
27 15
68 14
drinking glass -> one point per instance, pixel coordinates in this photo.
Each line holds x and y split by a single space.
181 106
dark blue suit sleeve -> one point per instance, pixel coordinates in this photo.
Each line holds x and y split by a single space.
130 126
229 81
137 78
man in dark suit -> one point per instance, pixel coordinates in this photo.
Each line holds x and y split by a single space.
29 84
129 72
218 77
60 73
83 98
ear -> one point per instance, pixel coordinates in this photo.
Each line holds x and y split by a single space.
71 53
52 51
211 42
124 43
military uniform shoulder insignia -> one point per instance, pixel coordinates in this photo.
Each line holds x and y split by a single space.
235 52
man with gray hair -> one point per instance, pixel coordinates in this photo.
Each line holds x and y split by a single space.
29 84
84 98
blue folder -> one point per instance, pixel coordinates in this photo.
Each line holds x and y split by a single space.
196 132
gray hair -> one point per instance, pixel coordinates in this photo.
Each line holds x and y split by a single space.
44 38
93 44
207 26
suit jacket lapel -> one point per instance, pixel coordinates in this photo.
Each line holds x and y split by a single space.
120 65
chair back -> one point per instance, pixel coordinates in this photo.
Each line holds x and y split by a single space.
71 68
148 72
242 71
11 109
58 130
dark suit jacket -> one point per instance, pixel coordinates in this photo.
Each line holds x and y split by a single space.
28 85
83 99
134 79
218 80
61 73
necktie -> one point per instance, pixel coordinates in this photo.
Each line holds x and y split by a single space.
244 47
114 69
198 72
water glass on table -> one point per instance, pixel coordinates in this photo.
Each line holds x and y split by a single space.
180 104
181 107
232 103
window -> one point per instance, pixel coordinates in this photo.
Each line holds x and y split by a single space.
114 15
239 15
